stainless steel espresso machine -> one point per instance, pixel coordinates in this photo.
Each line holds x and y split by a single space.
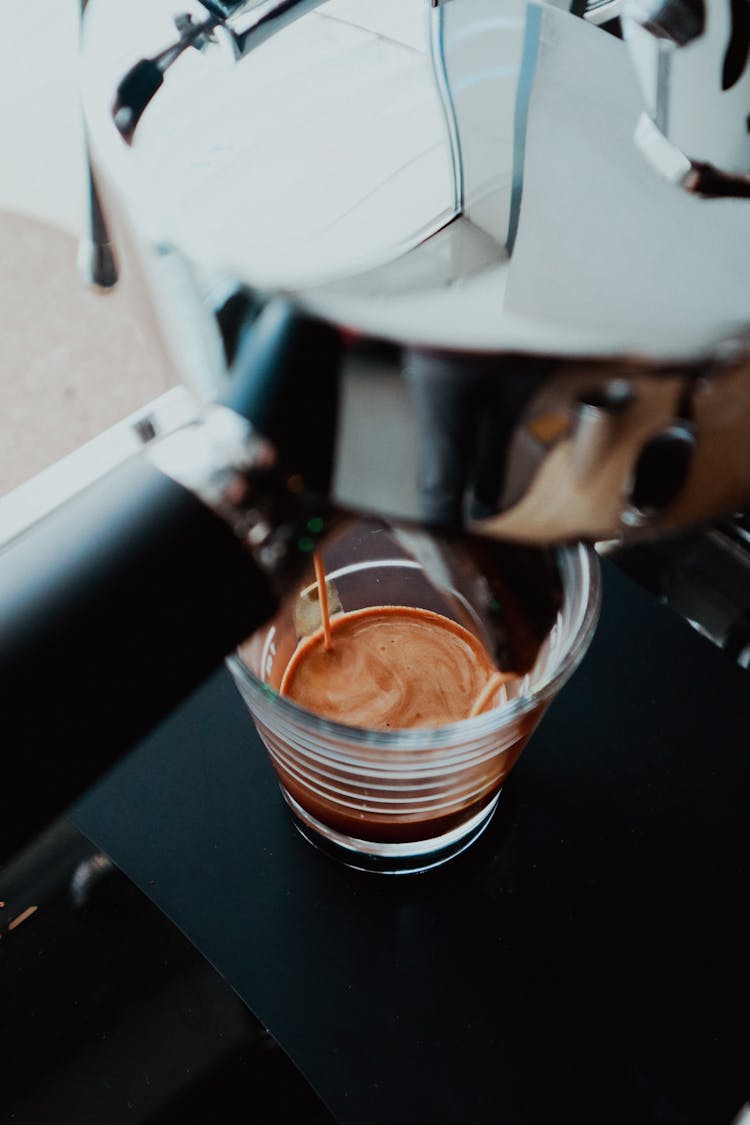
538 215
478 268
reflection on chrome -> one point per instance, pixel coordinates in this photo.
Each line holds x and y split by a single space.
466 179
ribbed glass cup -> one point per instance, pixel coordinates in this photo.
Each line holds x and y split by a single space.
402 801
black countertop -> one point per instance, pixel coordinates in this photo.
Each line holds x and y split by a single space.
585 961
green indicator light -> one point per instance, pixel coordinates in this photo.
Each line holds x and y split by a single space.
315 525
495 606
306 544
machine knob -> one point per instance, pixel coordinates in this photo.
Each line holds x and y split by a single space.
662 469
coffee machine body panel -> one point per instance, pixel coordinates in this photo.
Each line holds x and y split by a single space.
460 181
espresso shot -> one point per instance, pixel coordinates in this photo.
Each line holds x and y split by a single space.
397 686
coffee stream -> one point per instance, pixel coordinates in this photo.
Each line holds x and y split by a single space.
391 668
320 577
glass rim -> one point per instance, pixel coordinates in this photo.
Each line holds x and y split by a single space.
430 738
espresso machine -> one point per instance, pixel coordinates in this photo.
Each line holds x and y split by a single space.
543 223
475 268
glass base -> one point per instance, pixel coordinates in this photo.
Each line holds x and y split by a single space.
389 859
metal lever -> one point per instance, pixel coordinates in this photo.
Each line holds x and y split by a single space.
244 24
145 78
96 256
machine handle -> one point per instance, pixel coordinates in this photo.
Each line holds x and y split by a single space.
112 610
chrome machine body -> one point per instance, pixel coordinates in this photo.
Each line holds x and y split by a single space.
465 179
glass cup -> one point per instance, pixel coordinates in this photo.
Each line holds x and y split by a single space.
399 801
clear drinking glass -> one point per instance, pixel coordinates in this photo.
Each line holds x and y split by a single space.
401 801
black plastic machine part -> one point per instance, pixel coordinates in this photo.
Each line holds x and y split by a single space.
115 606
113 609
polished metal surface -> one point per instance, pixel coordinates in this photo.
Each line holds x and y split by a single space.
544 450
465 180
691 60
462 176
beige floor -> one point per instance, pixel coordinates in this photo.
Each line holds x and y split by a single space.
72 362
